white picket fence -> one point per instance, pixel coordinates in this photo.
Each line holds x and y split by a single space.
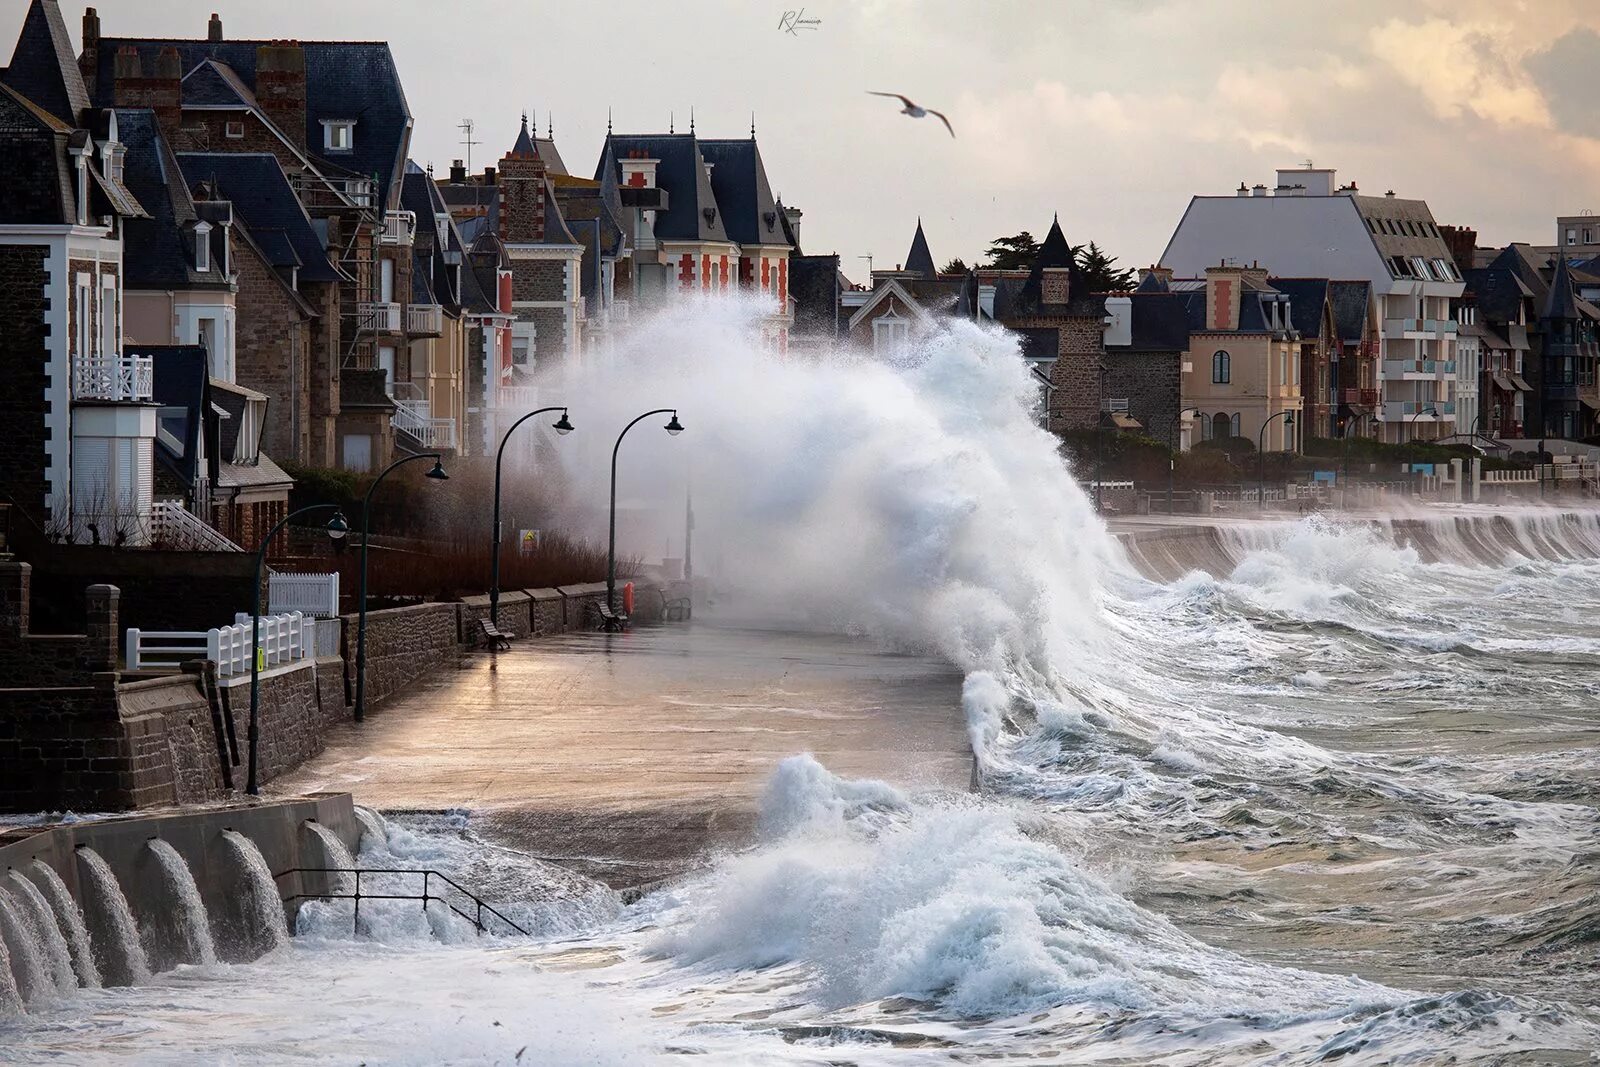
284 639
309 594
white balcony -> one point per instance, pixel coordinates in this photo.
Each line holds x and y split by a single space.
124 378
1419 329
399 228
379 317
1419 369
516 398
424 320
318 193
1421 410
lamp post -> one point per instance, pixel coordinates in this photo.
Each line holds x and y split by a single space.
438 474
1261 438
1412 422
1100 441
560 426
1349 429
337 528
673 427
1172 461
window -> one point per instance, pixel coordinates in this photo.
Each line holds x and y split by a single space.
519 351
1235 426
110 334
386 281
202 247
1419 267
208 341
338 135
891 334
1572 237
84 311
1283 368
234 131
1221 368
357 452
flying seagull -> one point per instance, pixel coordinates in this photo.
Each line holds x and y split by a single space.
916 111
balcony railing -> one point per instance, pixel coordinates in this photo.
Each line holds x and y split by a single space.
424 320
1368 397
118 377
379 317
1419 368
1422 409
399 228
316 192
516 398
429 432
1419 329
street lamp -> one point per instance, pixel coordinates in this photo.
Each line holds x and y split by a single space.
1172 461
560 426
438 474
1349 428
1261 438
674 428
1412 422
337 529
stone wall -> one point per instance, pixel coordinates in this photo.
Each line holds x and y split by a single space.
24 361
404 644
516 617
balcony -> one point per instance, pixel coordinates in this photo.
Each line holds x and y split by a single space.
424 320
378 317
1368 397
516 398
318 193
1419 329
399 228
1419 369
1405 410
413 416
119 378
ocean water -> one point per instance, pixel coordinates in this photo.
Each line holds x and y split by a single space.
1326 793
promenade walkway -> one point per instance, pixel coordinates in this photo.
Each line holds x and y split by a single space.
628 755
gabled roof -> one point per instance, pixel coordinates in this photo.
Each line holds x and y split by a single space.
693 213
524 143
1351 302
739 182
420 196
919 260
1500 293
1308 298
158 250
264 200
214 84
345 80
44 67
889 287
38 185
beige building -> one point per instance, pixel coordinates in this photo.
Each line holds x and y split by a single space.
1242 371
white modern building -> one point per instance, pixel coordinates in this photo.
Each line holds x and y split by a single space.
1307 226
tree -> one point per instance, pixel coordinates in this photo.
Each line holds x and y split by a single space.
1100 273
955 266
1013 253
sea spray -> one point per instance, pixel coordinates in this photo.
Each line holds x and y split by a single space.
267 928
69 918
193 926
28 965
36 910
10 995
332 917
124 956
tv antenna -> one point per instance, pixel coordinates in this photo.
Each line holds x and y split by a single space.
466 127
869 266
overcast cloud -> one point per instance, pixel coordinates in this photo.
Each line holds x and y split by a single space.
1111 112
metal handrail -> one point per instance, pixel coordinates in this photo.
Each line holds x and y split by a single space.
426 873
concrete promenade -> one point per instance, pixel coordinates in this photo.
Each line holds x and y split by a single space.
628 755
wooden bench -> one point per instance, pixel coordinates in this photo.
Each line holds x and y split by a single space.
612 622
493 637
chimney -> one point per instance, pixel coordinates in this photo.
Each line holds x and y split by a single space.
521 194
458 172
1164 274
89 61
488 176
127 77
1222 297
1244 190
1055 285
793 214
160 89
281 88
639 171
214 28
1258 190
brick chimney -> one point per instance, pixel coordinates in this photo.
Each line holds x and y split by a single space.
1156 271
281 88
458 172
1055 285
160 89
520 189
214 28
1223 284
89 60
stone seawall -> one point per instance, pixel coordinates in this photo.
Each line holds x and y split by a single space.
403 644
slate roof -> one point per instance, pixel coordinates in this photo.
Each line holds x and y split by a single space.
1562 305
181 380
159 250
693 213
1054 253
1499 292
344 80
214 84
1039 342
266 205
1307 298
479 278
38 186
44 67
919 260
581 208
432 267
739 182
1351 301
1160 322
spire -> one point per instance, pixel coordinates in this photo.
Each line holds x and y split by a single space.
1562 305
1055 251
672 122
608 122
920 260
44 65
752 125
549 126
524 145
691 118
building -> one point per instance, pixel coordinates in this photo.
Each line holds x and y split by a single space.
334 117
1146 343
1570 330
429 386
79 410
1508 295
1354 364
1312 327
1309 227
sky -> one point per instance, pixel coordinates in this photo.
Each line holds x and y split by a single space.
1111 113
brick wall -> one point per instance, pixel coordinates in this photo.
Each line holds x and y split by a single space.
1152 383
272 344
539 279
1075 405
24 362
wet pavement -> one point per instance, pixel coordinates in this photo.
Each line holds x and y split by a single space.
628 755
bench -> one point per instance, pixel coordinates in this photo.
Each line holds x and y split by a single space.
612 622
493 637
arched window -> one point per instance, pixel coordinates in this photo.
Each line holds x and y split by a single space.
1221 367
1236 424
1221 426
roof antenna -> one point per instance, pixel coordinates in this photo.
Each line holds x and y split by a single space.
465 127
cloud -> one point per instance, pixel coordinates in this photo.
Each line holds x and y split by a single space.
1565 74
1462 68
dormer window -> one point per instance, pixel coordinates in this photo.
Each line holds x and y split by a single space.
202 247
234 131
338 135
